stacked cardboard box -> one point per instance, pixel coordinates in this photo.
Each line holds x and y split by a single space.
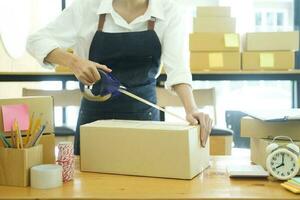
214 45
270 51
261 134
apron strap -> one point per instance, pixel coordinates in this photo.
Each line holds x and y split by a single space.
101 22
151 22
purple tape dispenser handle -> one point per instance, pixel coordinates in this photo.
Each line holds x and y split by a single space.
107 87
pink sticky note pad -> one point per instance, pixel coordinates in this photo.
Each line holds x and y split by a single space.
10 113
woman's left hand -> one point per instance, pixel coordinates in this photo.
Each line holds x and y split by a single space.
196 117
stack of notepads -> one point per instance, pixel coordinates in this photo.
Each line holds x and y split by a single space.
292 185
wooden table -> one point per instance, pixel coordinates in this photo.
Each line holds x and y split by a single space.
214 183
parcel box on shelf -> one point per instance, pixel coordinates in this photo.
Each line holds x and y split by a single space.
214 24
142 148
280 60
215 61
37 105
272 41
213 11
258 149
216 42
255 128
16 163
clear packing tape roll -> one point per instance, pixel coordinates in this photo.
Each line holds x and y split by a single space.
46 176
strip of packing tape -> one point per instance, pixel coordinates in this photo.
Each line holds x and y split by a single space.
46 176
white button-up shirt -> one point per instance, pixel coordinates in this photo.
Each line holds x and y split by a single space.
77 24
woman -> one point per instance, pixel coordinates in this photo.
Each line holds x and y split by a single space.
127 38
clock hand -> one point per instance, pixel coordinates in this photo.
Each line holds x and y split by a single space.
282 159
280 166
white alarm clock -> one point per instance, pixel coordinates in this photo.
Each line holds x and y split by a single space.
282 161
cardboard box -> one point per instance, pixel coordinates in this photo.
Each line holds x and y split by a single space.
220 145
48 143
215 61
272 41
213 11
142 148
280 60
255 128
214 24
217 42
16 163
36 105
258 149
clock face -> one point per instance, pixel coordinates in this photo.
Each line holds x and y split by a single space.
282 164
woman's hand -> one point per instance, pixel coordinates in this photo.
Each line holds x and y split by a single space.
86 71
195 117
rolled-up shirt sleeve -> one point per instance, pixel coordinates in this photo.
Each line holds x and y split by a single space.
175 51
61 33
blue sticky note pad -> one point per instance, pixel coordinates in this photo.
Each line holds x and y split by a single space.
296 179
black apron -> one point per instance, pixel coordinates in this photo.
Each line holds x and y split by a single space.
134 58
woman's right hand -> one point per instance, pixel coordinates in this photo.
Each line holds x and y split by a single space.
86 70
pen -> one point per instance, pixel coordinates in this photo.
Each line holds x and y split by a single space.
4 141
37 140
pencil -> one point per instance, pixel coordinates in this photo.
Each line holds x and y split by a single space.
19 135
29 129
16 127
35 128
13 141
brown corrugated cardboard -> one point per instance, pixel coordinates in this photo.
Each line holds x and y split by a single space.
217 42
215 61
220 145
213 11
272 41
48 142
142 148
214 24
277 60
255 128
36 105
258 149
16 163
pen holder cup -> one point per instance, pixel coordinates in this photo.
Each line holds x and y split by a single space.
15 165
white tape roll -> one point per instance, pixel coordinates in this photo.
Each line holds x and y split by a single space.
46 176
